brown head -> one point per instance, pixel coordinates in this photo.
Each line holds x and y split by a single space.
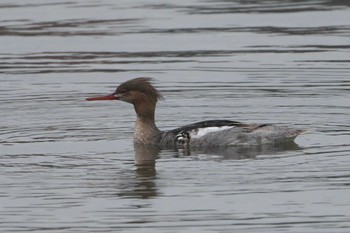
139 91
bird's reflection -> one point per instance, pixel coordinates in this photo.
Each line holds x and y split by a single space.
143 183
145 156
145 161
240 152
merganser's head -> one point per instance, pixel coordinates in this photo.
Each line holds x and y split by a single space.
134 91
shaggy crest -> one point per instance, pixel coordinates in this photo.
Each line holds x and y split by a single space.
143 85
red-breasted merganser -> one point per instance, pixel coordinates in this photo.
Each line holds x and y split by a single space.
141 93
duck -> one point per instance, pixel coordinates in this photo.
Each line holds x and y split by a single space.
141 93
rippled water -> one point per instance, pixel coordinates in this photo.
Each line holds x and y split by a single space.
67 165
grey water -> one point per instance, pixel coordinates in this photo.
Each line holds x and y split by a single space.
67 165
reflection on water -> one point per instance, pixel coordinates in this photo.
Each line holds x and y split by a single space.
68 166
243 152
142 184
145 162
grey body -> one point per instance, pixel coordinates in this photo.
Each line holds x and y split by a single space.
240 135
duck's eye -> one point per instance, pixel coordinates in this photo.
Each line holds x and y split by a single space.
122 91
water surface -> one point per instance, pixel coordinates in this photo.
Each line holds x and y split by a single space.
68 165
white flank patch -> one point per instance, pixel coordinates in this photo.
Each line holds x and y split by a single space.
200 132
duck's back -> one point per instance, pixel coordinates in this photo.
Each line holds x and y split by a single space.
227 133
